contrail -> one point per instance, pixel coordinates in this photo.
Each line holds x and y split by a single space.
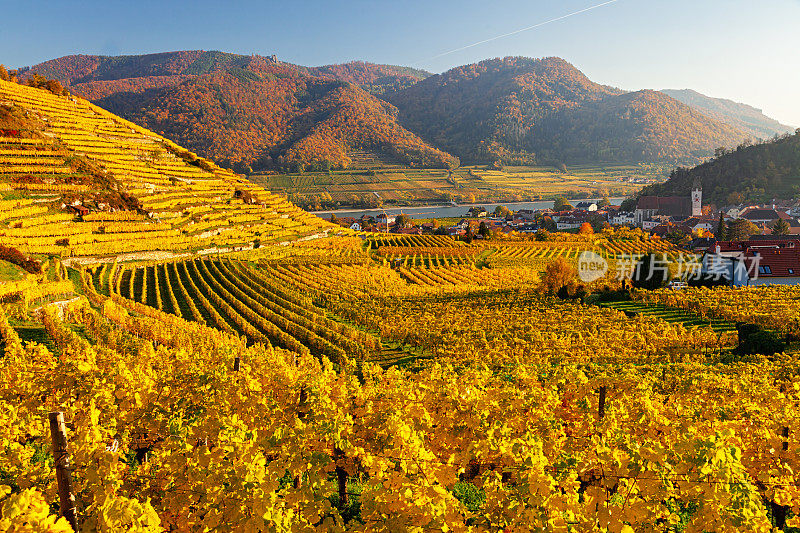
562 17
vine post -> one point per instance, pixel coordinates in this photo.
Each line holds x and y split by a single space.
58 432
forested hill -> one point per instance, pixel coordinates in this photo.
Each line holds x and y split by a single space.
486 110
258 112
741 116
252 111
376 79
637 126
83 72
749 173
546 110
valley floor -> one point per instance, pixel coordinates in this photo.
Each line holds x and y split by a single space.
403 186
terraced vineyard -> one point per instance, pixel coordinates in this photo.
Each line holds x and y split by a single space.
410 186
283 353
242 300
775 307
377 241
141 191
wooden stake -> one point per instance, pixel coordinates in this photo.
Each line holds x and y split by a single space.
236 363
58 432
601 408
341 479
779 513
785 435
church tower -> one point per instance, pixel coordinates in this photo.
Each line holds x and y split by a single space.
697 201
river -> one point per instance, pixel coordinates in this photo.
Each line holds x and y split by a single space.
449 211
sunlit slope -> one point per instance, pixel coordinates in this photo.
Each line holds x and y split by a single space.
144 192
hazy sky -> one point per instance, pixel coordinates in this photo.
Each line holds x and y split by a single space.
748 51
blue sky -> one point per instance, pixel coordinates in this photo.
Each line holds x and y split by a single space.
743 50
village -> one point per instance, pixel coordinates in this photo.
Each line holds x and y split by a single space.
743 244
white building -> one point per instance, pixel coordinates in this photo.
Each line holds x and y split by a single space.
567 223
647 225
623 219
697 201
733 211
707 226
383 218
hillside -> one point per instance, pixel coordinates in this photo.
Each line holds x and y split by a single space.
76 180
392 385
758 172
252 110
741 116
255 112
377 79
531 109
485 110
635 126
350 383
83 72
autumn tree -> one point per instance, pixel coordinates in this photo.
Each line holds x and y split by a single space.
41 82
780 227
484 231
653 271
741 229
557 275
586 229
561 204
501 211
549 225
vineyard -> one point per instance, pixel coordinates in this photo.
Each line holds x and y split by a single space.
237 392
774 306
76 154
402 185
195 361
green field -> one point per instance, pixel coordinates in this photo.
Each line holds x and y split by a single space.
10 272
404 186
670 314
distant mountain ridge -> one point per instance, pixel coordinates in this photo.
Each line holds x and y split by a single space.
518 108
741 116
484 110
252 111
79 70
636 126
256 111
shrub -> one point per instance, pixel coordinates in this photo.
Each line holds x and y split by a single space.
609 295
651 272
753 339
471 496
12 255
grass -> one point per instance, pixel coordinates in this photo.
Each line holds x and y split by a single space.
10 272
673 315
32 332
